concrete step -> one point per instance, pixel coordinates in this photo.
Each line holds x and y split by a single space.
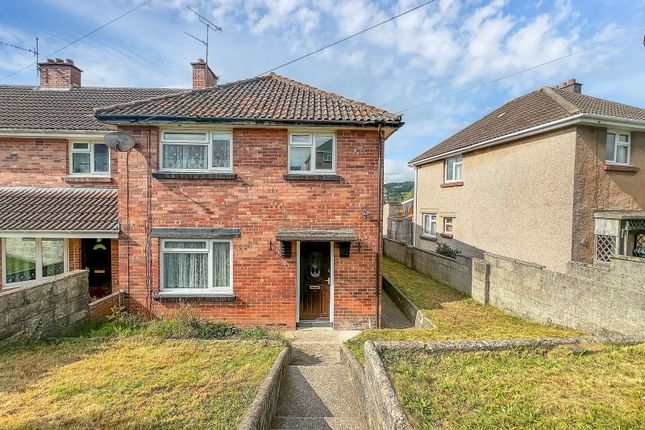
318 423
317 391
314 353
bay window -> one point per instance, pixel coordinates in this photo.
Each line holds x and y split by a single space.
87 158
312 152
196 151
32 259
453 168
196 266
618 147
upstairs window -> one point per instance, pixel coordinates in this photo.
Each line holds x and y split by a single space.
196 151
453 169
88 158
618 147
430 225
312 152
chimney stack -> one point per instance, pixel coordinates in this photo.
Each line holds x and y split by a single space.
572 86
59 75
203 76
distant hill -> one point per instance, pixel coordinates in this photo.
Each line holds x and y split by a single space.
398 191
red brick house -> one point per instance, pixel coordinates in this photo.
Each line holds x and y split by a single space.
257 202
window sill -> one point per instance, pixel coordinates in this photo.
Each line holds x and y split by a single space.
195 176
430 238
446 235
620 168
452 184
88 179
205 297
328 177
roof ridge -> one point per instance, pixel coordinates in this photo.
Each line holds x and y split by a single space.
558 90
561 101
142 101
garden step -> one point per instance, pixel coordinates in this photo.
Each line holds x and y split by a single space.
317 391
314 353
317 423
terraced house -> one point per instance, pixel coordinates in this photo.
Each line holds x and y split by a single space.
256 202
551 177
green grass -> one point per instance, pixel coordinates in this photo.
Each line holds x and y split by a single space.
569 387
130 382
457 316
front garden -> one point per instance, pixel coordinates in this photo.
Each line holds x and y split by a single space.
181 373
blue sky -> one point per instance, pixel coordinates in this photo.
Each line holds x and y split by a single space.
428 55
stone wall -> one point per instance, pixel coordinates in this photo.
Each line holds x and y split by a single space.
44 308
102 308
450 271
608 300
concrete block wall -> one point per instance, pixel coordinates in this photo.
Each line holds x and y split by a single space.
608 300
44 308
455 272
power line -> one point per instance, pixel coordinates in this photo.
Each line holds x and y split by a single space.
322 48
518 72
128 12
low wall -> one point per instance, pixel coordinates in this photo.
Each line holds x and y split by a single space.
102 308
409 309
455 272
45 308
596 299
264 405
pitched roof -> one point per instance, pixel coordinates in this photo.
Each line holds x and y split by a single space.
30 108
58 209
531 110
266 98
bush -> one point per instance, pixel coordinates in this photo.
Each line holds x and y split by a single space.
446 250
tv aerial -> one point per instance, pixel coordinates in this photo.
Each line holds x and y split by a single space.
209 26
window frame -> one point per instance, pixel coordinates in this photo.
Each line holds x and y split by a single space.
38 253
458 160
451 223
90 150
433 220
617 143
210 289
312 145
208 142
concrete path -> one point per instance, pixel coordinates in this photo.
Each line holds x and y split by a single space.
391 315
316 392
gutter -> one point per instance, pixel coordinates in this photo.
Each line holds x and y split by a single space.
71 234
583 119
63 134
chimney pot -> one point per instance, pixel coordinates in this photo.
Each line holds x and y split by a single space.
59 75
571 86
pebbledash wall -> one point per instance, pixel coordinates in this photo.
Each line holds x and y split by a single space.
259 201
45 308
604 299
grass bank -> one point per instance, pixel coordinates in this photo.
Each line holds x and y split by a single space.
457 316
588 387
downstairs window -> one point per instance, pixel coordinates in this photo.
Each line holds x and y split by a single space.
32 259
196 266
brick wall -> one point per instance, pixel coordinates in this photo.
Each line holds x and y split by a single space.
30 162
259 202
45 308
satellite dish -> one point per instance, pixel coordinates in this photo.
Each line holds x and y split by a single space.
120 141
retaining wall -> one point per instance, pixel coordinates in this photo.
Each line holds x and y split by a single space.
102 308
45 308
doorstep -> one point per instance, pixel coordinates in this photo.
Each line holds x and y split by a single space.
314 324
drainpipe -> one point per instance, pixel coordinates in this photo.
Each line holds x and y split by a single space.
380 226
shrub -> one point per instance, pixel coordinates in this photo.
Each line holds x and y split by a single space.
446 250
186 325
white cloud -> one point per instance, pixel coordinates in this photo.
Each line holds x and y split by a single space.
397 171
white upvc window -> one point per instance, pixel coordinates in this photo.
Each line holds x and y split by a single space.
312 152
89 158
430 224
453 169
196 151
618 147
27 259
447 225
197 266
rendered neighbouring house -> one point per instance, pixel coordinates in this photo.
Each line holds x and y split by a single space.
256 202
550 177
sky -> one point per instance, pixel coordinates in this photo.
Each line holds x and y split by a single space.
443 56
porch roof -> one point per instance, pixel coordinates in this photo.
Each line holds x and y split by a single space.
316 235
618 214
68 212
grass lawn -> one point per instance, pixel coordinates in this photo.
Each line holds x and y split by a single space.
457 316
569 387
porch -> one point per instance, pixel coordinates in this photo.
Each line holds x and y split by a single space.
619 233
